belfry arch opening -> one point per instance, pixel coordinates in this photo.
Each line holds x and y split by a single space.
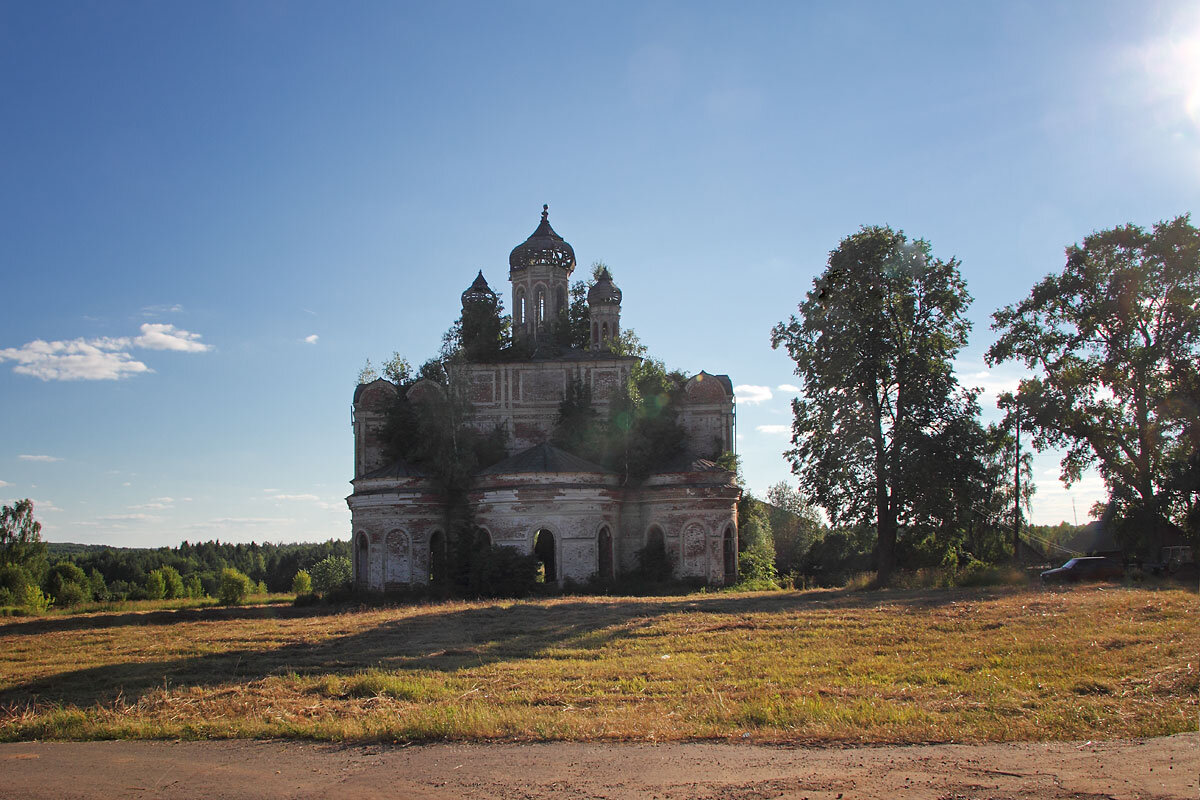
544 550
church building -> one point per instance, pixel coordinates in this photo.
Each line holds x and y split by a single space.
576 516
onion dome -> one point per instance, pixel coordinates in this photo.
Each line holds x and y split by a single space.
478 290
543 247
604 291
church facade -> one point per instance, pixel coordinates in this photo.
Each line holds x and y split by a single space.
576 516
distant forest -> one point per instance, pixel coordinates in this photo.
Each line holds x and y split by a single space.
125 570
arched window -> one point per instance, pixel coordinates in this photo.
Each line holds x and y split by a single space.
541 306
519 310
560 301
604 332
595 333
543 548
604 553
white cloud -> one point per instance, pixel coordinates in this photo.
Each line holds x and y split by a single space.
43 505
774 430
76 360
153 506
301 497
137 517
159 310
5 483
164 336
223 522
752 395
43 459
311 339
788 388
103 358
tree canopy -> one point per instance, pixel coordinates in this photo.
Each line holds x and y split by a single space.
1115 340
882 423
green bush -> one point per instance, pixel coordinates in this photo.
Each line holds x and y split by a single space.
172 583
654 564
156 585
756 568
18 589
235 586
67 585
193 587
500 571
302 583
331 573
14 582
99 587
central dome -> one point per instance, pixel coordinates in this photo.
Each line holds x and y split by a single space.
543 247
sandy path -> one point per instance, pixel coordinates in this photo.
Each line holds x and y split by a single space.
1154 768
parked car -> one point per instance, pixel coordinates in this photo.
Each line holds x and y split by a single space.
1091 568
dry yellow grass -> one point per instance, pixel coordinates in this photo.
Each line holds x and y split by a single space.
817 666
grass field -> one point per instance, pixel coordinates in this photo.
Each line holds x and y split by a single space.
817 666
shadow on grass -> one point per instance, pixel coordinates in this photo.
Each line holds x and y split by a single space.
430 639
166 616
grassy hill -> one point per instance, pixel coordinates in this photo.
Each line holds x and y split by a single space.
810 667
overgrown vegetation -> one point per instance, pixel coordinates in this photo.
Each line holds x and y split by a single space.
789 667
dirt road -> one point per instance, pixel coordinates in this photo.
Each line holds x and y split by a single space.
1155 768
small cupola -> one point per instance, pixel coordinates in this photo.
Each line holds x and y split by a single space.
604 291
478 291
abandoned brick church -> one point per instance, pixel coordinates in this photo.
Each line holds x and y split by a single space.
574 515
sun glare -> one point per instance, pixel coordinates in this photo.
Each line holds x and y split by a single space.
1172 64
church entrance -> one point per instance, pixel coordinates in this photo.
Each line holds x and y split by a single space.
543 548
604 556
729 547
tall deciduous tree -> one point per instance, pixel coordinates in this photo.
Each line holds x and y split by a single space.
874 344
1115 338
21 537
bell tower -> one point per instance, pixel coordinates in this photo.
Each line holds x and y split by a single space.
604 308
540 270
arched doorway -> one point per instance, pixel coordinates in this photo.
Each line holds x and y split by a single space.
437 558
653 560
361 550
483 539
543 548
729 548
604 553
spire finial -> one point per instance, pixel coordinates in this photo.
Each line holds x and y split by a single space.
545 211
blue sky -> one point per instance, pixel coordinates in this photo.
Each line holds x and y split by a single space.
211 214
